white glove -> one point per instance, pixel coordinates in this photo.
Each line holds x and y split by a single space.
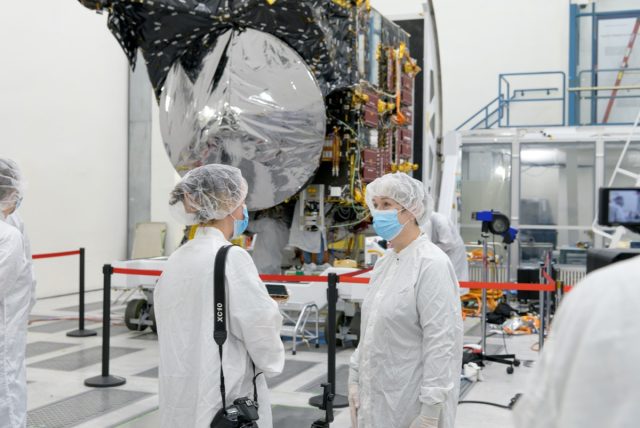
473 372
424 422
354 403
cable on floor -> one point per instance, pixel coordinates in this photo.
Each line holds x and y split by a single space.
512 403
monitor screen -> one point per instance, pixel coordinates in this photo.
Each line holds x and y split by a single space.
623 206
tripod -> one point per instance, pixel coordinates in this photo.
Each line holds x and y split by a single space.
507 359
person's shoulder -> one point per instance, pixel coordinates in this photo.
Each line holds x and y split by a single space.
430 252
238 253
239 259
16 221
10 237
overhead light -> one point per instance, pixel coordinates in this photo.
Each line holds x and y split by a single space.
543 157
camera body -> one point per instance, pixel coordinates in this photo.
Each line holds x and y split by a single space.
242 414
496 223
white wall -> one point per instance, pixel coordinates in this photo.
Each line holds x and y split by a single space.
63 115
163 179
481 39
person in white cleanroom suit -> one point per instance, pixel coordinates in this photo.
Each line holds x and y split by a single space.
617 213
15 297
212 196
405 372
587 375
16 221
445 235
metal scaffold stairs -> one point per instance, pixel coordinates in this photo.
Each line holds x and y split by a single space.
623 66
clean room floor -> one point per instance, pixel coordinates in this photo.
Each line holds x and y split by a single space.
57 366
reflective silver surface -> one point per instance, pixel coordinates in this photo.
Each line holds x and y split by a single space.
262 112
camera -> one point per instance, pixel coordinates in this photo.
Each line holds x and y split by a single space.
242 414
496 223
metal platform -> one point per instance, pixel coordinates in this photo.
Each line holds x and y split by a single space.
84 358
82 408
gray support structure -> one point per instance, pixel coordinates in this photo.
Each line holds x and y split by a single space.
139 150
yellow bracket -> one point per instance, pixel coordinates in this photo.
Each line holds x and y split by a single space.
384 107
367 4
402 50
411 68
405 167
360 97
358 196
270 2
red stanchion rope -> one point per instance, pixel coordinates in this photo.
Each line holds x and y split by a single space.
548 278
52 255
508 286
354 280
310 278
355 273
143 272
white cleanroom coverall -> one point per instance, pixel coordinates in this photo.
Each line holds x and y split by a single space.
445 235
409 358
15 295
587 375
16 221
189 360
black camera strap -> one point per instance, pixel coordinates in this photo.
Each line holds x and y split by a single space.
220 317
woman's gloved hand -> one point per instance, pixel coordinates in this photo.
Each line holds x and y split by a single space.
354 403
424 422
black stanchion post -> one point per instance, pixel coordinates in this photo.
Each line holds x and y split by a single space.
105 379
81 332
541 314
332 298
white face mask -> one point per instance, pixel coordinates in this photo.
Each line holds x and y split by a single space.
180 215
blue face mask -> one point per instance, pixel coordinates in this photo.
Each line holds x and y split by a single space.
239 226
386 223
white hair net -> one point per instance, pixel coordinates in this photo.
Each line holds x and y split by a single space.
408 192
11 184
209 192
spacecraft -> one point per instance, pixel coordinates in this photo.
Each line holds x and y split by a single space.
311 99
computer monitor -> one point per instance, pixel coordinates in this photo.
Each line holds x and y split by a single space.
619 206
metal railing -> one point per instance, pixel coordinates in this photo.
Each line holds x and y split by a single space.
510 96
484 114
498 110
593 95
